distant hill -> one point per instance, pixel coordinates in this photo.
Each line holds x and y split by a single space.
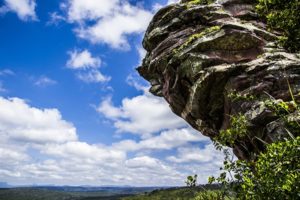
109 193
71 193
4 185
108 189
183 193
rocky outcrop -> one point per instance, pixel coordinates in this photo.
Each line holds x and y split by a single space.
214 61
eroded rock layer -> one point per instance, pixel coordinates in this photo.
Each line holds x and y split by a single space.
208 60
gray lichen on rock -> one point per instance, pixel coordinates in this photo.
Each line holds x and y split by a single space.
197 55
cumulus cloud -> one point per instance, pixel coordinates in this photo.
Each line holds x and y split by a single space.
79 10
25 9
86 66
44 81
146 162
166 140
172 1
55 18
113 20
92 76
203 160
142 115
12 157
25 129
158 6
6 72
137 171
160 130
28 124
136 81
195 154
142 53
84 151
82 60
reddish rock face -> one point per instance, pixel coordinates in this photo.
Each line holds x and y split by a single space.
198 55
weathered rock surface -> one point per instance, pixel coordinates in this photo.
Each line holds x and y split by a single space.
208 60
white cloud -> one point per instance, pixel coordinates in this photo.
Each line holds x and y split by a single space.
93 76
136 171
144 162
143 115
86 66
28 124
172 1
195 154
5 72
44 81
84 151
24 129
158 6
113 20
142 53
55 18
136 81
25 9
12 157
79 10
83 60
109 110
59 156
167 140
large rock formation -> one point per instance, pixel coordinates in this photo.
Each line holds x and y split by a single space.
214 61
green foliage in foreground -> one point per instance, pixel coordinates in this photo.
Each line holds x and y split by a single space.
188 193
283 15
191 181
274 173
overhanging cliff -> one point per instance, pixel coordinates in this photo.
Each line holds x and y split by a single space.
211 62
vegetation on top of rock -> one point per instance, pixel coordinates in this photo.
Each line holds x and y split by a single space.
201 2
196 36
283 15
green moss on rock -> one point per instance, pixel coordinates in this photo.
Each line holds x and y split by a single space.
196 36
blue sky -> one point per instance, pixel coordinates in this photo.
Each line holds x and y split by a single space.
74 111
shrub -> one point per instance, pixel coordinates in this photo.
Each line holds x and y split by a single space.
274 173
191 181
283 15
